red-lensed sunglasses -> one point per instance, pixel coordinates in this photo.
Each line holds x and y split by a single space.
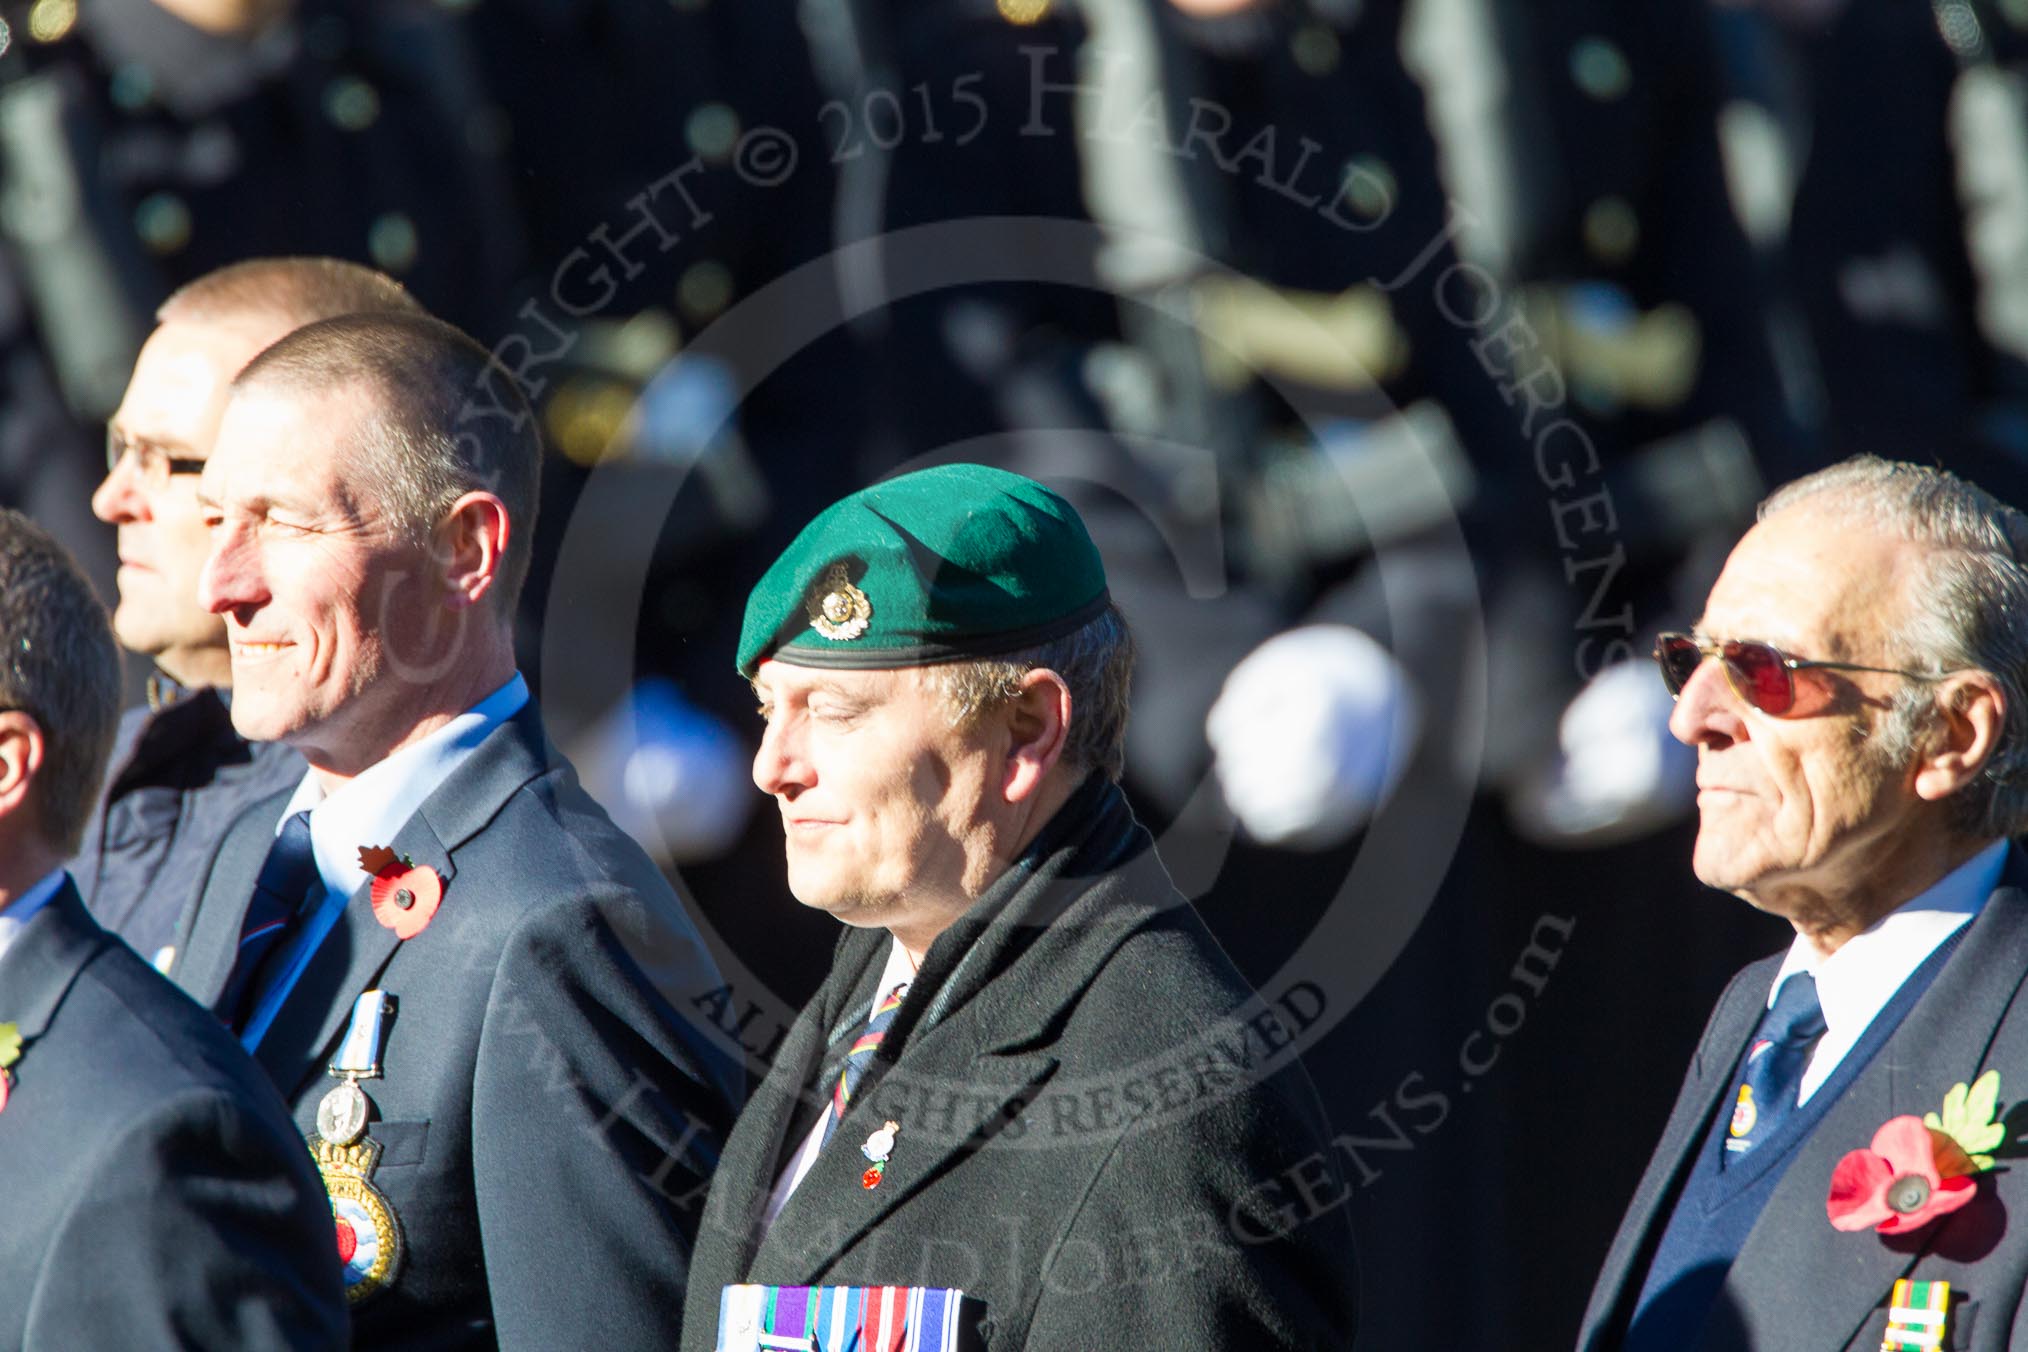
1759 673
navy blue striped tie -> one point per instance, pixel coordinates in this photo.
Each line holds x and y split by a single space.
278 897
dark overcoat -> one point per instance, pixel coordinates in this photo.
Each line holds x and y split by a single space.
1091 1137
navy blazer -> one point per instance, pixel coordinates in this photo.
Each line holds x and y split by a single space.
153 1192
178 777
550 1113
1798 1284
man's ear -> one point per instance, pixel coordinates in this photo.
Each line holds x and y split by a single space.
1971 714
21 752
1038 724
472 542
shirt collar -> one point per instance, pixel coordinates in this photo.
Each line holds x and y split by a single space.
900 971
18 912
379 799
1856 981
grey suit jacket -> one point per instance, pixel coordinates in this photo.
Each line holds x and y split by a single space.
153 1192
1798 1284
550 1112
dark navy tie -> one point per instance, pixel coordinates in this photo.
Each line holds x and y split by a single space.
1775 1061
278 896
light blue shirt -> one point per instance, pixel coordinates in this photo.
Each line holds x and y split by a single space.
369 811
22 909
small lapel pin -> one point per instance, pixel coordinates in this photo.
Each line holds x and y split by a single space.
877 1148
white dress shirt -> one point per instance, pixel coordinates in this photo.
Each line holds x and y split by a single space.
368 811
1855 983
900 970
22 909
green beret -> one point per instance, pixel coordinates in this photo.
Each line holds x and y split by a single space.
944 564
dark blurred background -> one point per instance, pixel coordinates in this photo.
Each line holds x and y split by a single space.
1413 361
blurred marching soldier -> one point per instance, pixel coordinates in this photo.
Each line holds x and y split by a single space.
621 121
1199 260
1894 220
1293 304
143 145
1657 384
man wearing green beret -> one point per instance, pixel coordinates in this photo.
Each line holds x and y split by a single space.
1031 1076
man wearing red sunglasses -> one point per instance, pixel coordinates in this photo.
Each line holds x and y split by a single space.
1855 694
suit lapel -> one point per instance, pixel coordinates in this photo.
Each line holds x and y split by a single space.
754 1153
37 973
355 951
348 960
205 955
38 968
834 1209
1738 1011
843 1014
968 1058
1796 1280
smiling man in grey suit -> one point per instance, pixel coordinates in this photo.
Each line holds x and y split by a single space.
1855 692
152 1191
467 983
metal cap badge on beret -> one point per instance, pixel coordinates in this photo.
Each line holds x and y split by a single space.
944 564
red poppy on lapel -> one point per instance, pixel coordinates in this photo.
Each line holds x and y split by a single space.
405 894
1910 1177
1919 1169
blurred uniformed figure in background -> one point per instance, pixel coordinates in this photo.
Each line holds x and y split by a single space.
1879 156
1082 276
624 123
143 145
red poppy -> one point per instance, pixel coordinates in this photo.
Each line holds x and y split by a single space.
1910 1177
404 895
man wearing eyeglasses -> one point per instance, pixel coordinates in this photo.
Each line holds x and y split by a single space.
179 773
1855 693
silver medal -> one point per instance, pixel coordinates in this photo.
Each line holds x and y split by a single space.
341 1117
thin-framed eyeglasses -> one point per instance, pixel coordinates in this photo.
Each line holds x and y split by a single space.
1759 673
152 464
